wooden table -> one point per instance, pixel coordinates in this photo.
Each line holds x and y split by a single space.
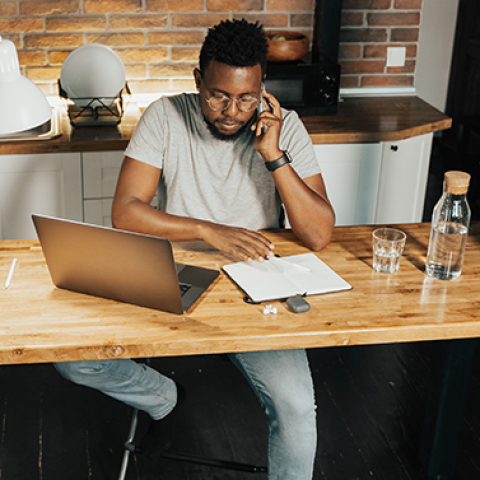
40 323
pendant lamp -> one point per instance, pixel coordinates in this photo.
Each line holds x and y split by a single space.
23 105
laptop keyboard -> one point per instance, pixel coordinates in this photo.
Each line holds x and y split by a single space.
184 288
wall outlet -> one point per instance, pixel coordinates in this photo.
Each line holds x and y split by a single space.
396 56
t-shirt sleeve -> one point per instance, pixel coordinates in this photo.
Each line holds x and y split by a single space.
147 142
295 139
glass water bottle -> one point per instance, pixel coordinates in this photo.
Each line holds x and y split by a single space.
450 222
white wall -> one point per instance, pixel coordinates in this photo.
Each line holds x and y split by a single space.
437 33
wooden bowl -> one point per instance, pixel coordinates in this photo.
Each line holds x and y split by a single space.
286 46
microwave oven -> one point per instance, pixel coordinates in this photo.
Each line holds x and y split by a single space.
307 88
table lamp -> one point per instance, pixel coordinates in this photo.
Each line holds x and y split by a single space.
23 105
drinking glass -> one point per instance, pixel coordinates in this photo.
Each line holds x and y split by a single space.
388 246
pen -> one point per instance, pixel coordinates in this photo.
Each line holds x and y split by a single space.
290 264
10 273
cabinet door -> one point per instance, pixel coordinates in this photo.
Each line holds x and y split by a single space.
351 174
98 211
403 180
48 184
100 173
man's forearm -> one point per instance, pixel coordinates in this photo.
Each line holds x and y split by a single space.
134 215
309 211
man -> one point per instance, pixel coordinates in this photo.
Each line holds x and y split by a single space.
223 178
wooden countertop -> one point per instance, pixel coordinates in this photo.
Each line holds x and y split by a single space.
363 120
358 120
40 323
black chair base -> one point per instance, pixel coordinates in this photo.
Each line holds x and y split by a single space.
130 448
210 462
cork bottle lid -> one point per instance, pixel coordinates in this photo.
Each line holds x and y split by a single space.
456 182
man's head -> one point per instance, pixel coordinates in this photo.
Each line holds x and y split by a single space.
236 43
232 65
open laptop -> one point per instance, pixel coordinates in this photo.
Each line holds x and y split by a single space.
119 265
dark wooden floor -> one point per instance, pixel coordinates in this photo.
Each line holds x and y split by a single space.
371 403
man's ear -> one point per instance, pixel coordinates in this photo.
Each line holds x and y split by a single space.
198 78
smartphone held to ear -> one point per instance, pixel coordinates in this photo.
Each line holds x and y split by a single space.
261 103
261 107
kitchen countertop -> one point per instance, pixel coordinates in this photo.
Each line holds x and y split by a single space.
358 120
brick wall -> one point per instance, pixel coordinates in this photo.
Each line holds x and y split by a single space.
159 40
368 28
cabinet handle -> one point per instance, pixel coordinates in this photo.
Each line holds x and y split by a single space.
394 148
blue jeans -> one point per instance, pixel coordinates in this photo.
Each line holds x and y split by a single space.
281 380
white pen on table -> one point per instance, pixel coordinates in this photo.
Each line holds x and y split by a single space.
289 264
10 273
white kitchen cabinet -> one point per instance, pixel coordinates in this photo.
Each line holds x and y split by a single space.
377 183
403 180
367 183
100 175
48 184
351 174
98 211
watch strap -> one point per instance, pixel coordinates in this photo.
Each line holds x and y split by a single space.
279 162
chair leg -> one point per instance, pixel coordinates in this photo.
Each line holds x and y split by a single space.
130 448
131 437
211 462
126 453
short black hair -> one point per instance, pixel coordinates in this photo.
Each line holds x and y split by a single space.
236 43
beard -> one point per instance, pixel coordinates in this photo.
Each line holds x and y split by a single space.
222 136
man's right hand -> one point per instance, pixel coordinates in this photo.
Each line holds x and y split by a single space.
244 244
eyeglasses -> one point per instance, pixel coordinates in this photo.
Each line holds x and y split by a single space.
220 104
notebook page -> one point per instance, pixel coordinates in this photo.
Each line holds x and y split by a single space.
261 280
285 277
320 279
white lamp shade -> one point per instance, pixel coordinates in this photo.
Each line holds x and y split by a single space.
9 67
23 105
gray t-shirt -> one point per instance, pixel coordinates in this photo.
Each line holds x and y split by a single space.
204 177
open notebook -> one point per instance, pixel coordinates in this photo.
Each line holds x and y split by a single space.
285 277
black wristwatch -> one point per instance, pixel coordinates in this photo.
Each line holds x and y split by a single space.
279 162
